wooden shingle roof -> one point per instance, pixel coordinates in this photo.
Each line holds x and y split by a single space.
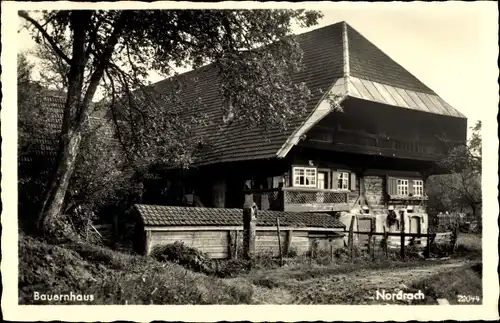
337 59
43 144
161 215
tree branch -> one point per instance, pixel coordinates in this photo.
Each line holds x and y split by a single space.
24 14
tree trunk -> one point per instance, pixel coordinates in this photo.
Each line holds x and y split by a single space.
73 118
55 195
75 115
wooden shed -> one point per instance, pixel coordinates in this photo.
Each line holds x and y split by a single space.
219 231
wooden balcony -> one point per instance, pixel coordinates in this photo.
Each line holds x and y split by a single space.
301 199
377 144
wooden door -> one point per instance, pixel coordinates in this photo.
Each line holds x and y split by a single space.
415 226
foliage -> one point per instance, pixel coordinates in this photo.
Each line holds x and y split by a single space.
115 51
460 189
116 278
183 255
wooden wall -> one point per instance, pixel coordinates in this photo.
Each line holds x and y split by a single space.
221 242
215 243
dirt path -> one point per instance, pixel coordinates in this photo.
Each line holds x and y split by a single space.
356 287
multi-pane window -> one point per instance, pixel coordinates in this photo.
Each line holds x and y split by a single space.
304 176
418 187
402 187
343 182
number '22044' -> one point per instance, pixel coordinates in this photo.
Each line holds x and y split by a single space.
468 298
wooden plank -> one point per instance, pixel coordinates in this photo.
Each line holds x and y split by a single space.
373 91
352 91
269 233
279 240
411 103
289 238
435 104
227 228
351 236
174 238
404 95
365 94
397 97
218 255
324 207
193 228
385 94
428 103
418 101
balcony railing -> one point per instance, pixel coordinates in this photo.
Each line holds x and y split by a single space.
300 199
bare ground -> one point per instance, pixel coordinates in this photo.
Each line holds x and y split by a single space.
283 286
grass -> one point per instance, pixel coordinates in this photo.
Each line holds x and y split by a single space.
469 245
116 278
465 281
119 278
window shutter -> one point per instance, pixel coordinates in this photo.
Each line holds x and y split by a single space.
392 185
352 182
410 187
335 180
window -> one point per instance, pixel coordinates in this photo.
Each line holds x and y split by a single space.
304 176
402 187
418 187
343 183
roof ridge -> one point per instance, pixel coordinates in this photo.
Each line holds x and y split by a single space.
345 56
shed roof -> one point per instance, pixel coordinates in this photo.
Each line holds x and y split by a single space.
161 215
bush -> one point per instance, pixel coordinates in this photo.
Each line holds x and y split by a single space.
232 267
292 252
185 256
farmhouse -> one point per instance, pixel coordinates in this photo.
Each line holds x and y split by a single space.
370 160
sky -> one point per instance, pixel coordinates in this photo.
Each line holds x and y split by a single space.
450 47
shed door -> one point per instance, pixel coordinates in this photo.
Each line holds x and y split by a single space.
364 225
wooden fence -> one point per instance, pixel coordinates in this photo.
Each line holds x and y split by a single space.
449 238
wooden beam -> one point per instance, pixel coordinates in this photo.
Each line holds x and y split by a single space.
318 207
240 227
289 238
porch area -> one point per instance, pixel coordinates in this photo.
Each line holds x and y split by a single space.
300 199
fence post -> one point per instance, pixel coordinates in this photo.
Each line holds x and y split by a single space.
249 219
289 238
279 240
350 237
454 238
331 253
403 238
236 243
371 242
386 242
